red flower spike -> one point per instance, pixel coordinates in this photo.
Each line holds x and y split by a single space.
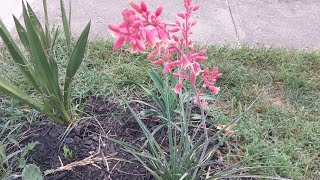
141 31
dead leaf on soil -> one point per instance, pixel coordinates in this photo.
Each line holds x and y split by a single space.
277 100
227 130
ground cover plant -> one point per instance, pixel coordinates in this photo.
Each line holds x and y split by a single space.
286 115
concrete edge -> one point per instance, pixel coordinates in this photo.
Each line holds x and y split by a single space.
17 11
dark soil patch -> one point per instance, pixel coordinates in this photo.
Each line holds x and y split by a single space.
100 116
84 140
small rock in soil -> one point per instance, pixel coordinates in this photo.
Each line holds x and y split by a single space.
87 147
77 131
69 140
77 139
56 131
87 142
92 147
95 138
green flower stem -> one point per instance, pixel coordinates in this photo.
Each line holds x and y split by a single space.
204 126
169 122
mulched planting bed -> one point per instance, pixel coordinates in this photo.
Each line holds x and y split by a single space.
108 160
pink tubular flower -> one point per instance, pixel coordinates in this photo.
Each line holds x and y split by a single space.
170 44
158 11
119 43
177 88
185 61
204 103
135 6
169 66
158 62
210 78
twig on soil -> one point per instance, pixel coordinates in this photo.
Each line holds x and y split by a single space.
130 173
208 173
114 167
105 161
91 160
60 161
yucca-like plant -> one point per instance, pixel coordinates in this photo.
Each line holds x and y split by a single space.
187 151
39 67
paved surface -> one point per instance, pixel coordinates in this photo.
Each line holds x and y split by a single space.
278 23
9 7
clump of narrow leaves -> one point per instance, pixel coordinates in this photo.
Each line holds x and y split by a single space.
39 67
191 142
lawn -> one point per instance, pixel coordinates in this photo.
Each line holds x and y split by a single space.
284 122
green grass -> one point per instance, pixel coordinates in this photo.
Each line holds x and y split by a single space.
286 117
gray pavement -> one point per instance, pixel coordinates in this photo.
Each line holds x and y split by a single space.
9 7
277 23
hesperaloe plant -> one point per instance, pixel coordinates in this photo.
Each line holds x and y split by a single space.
188 153
191 144
40 67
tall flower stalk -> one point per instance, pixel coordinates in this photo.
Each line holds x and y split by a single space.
170 46
142 30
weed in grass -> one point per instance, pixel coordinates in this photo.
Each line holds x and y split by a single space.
67 152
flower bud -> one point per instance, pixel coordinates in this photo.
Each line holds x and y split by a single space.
176 75
196 8
201 58
202 52
177 88
135 6
181 15
158 11
119 43
143 6
175 38
114 27
175 29
158 62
